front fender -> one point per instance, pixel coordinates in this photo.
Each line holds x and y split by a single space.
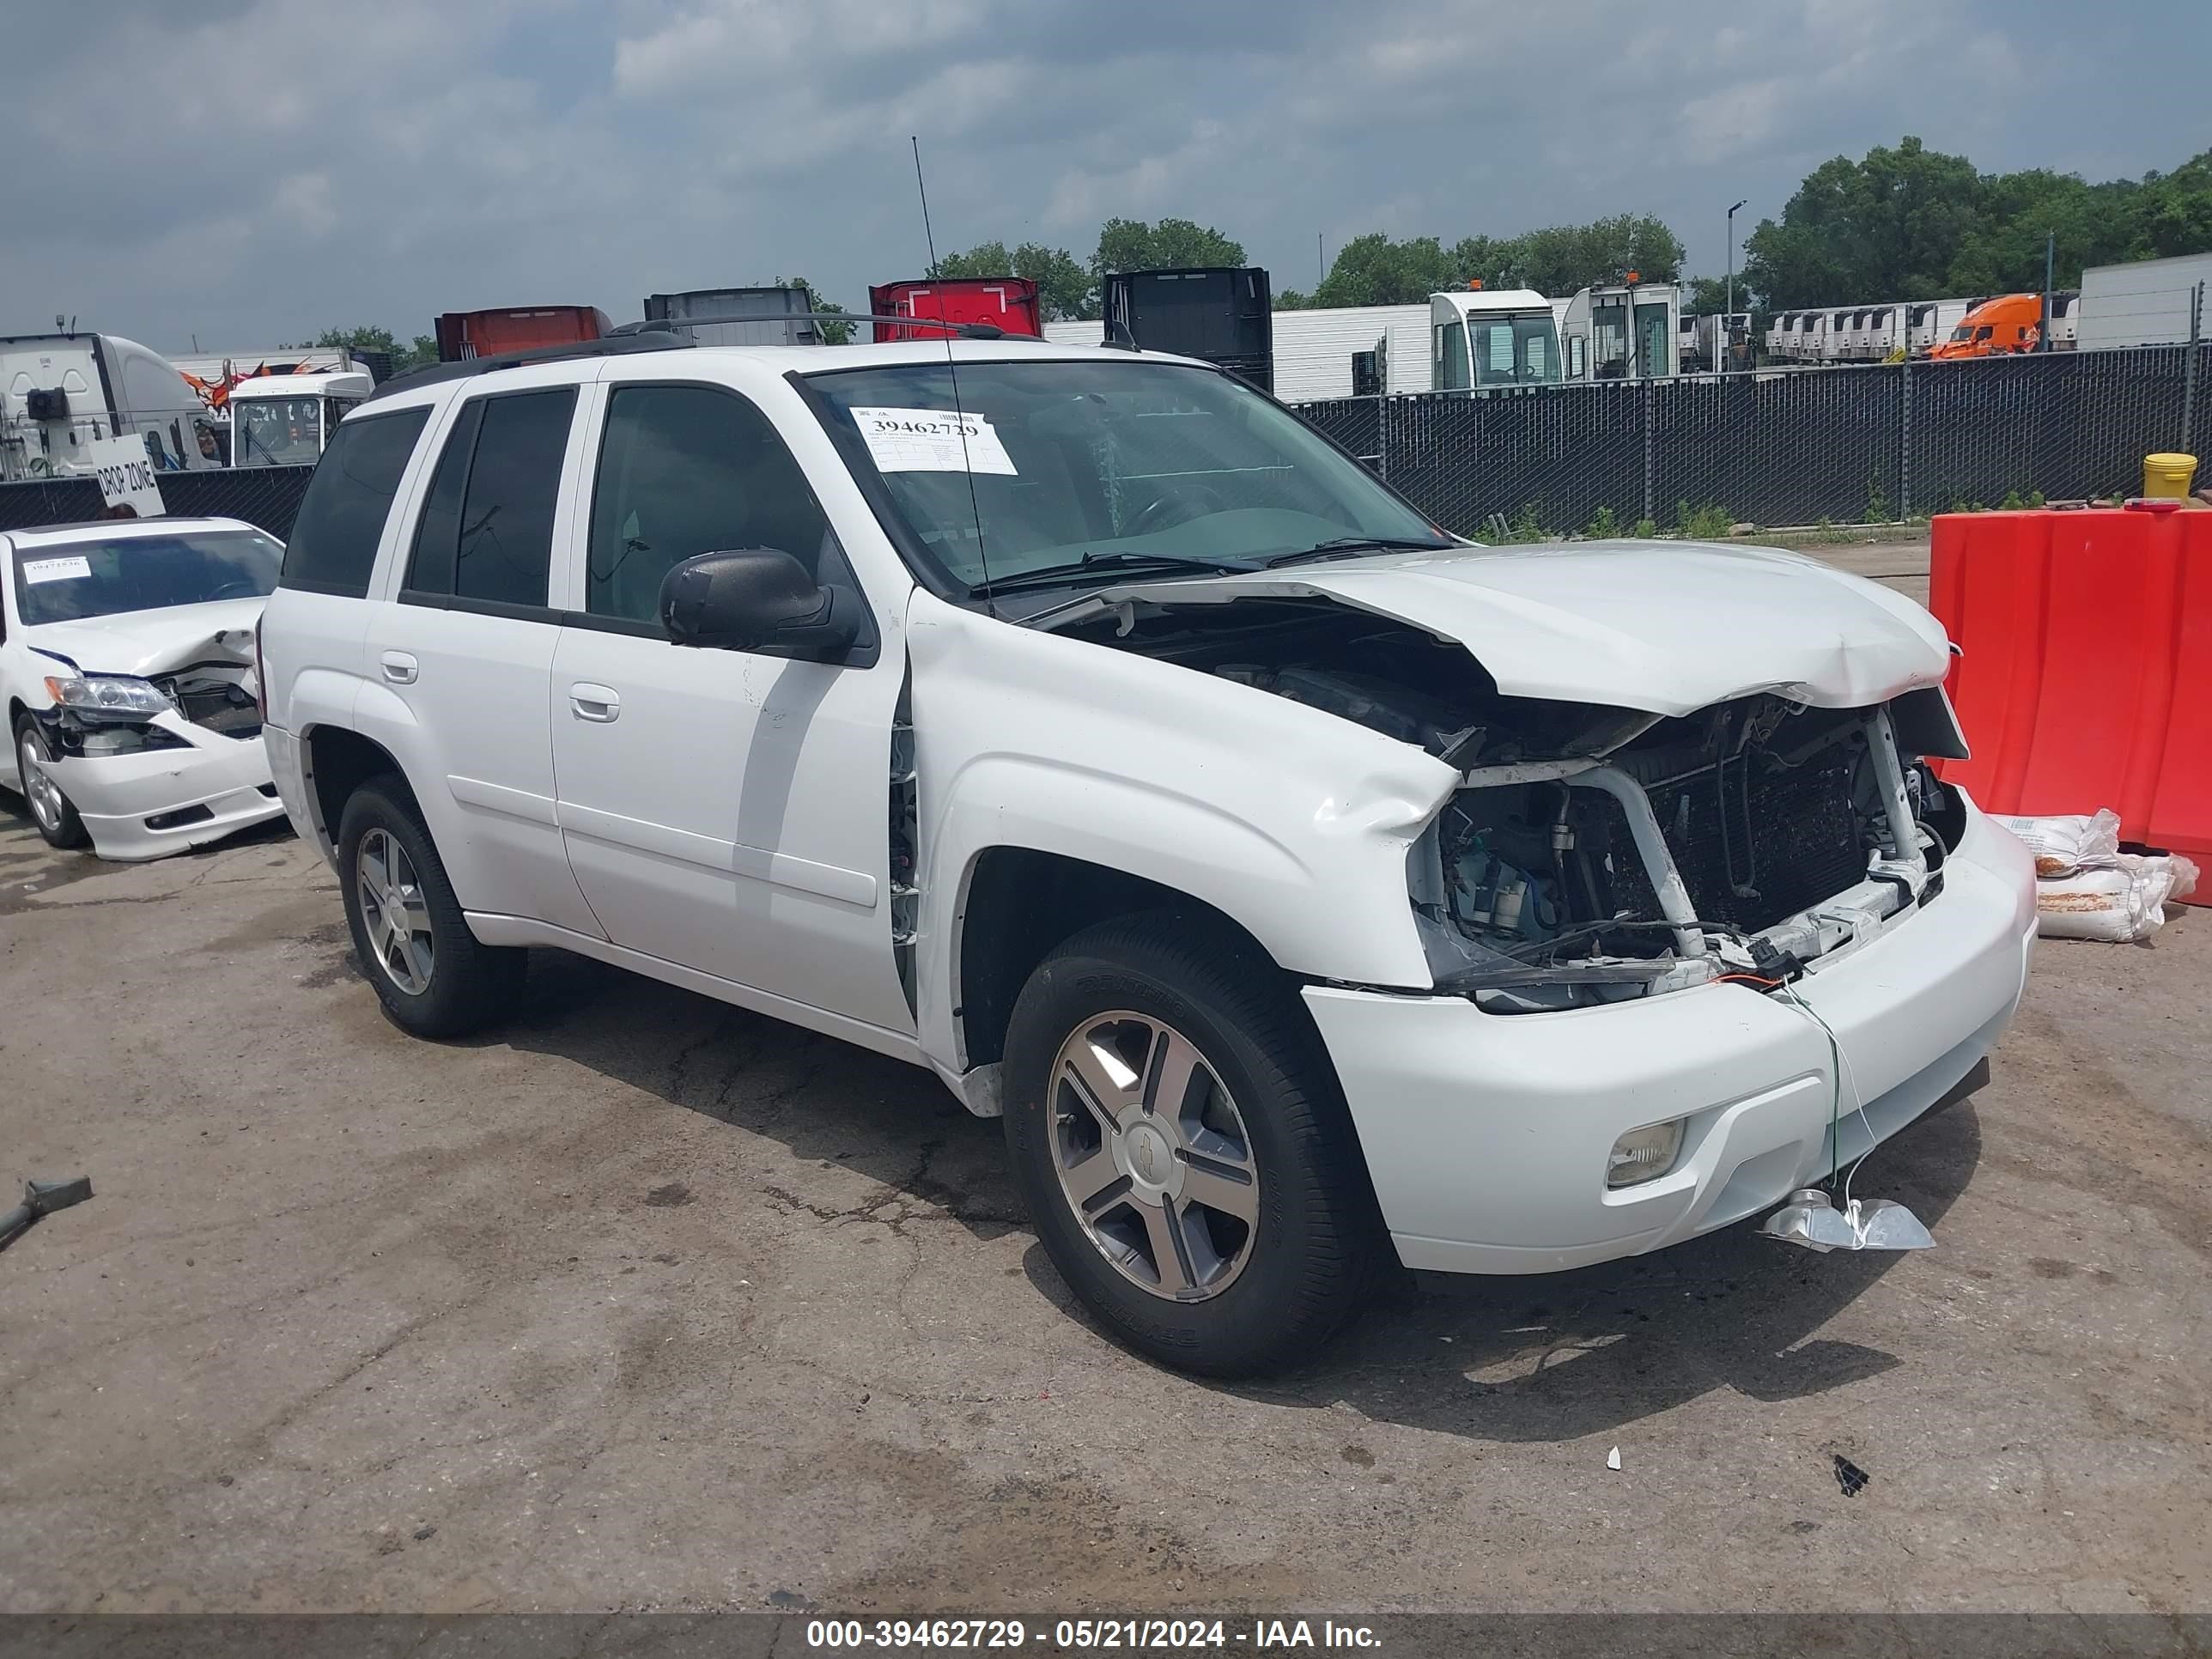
1289 821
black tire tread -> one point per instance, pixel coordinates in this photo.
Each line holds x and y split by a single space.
1245 992
471 984
72 835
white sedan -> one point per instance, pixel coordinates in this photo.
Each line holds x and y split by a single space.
127 668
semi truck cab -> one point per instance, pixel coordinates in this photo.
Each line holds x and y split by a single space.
286 419
1494 339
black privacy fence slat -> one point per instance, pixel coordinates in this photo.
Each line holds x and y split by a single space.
1782 446
265 496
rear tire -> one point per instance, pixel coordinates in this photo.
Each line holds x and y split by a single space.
1188 1162
433 977
57 821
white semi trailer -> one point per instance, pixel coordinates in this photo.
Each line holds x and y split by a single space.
61 392
2150 302
1324 352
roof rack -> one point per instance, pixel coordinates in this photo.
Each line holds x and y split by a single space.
669 334
611 345
675 325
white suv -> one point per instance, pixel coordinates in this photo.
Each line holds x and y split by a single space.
1305 886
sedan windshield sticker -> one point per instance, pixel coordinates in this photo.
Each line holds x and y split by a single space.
58 570
931 440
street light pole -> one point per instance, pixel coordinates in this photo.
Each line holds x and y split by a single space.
1727 321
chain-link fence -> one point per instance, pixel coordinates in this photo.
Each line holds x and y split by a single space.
266 496
1785 446
1780 446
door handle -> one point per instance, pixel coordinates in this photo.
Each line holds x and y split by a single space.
588 702
400 668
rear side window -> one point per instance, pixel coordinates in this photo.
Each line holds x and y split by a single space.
332 547
486 533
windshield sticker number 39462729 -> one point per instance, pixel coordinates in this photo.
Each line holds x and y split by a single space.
931 440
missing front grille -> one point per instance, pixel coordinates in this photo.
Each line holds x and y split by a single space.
1755 842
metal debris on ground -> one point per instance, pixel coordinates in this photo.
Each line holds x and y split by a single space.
1848 1475
1810 1218
42 1198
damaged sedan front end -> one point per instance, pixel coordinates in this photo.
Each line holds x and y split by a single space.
129 671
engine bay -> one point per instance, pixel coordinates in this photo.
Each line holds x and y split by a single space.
1595 853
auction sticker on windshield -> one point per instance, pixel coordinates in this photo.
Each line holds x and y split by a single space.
931 440
56 570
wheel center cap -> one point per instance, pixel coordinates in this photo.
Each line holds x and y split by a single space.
1149 1157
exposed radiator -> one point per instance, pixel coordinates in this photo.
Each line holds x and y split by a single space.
1755 845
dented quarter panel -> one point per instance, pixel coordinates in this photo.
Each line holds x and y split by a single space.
1668 628
1291 821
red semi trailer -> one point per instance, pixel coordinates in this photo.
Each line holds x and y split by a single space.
515 328
1006 302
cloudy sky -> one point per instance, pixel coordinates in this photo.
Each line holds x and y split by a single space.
252 171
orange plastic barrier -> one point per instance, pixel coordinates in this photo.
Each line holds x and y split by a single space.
2085 677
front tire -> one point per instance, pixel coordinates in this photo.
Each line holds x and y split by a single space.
431 974
1184 1148
59 823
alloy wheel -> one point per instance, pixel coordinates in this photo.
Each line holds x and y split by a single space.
39 789
393 911
1153 1157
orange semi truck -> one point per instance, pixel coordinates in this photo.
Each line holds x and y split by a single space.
2009 323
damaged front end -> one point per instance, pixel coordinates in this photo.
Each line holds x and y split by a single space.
96 715
1595 853
1757 838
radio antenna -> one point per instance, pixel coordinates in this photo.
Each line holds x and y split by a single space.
952 370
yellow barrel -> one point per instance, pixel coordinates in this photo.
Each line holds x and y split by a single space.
2168 475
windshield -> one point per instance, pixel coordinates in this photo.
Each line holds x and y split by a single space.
1131 458
276 431
69 581
1516 350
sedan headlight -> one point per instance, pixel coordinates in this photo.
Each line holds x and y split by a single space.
117 695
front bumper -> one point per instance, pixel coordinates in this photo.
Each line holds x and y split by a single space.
1486 1135
217 786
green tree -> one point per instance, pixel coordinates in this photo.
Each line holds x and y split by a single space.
1375 270
1064 287
1170 245
1913 223
1561 259
1707 296
2174 212
832 333
424 349
1887 227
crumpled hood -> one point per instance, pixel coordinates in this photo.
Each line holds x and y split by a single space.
1668 628
145 642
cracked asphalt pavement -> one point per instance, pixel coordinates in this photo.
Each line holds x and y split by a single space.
647 1303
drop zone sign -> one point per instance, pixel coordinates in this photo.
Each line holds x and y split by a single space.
126 476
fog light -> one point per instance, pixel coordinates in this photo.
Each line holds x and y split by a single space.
1644 1154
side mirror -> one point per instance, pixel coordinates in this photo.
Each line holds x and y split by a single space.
755 598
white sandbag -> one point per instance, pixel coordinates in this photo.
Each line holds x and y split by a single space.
2065 843
2121 900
